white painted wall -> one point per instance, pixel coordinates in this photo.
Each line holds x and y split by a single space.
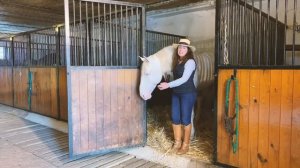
197 22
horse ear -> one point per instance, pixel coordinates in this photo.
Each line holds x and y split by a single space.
144 59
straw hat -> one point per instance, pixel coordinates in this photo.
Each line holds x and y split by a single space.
185 42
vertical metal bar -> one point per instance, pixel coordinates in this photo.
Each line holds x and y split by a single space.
268 32
74 31
294 29
131 36
105 38
238 33
143 31
217 62
137 34
29 49
122 40
276 34
285 23
231 41
110 36
252 33
245 33
259 31
87 35
93 38
126 28
12 48
99 35
116 38
80 31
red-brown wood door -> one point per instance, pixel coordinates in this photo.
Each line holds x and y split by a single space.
268 121
105 111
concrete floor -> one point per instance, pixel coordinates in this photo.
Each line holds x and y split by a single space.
19 148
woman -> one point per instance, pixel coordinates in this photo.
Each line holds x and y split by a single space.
184 93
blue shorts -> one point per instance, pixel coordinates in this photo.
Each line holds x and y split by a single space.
182 106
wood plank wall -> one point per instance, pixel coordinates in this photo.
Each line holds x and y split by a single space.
63 94
20 83
107 111
6 86
49 90
44 98
269 121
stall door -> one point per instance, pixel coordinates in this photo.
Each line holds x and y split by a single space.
103 42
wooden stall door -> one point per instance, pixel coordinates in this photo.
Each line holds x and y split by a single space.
21 85
6 87
44 97
269 128
105 111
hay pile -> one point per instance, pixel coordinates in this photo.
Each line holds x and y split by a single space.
160 136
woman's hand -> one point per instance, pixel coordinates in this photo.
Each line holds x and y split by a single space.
163 86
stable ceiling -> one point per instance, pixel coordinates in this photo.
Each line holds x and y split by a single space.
18 16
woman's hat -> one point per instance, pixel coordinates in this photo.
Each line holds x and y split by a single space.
185 42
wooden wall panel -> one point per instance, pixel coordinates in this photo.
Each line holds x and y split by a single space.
20 78
263 118
286 118
223 146
63 98
253 117
295 137
106 110
274 120
269 122
244 79
137 109
6 85
44 98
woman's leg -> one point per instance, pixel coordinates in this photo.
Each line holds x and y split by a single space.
186 140
187 104
176 123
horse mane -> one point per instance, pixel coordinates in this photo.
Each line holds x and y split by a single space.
165 57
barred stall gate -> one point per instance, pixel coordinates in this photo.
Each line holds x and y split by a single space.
258 71
103 42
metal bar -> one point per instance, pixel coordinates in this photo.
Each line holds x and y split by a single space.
285 23
239 33
276 34
131 36
99 35
74 32
143 31
252 33
80 31
217 61
122 35
69 96
126 28
87 35
116 38
93 37
110 36
137 34
268 31
29 49
116 2
105 38
294 29
259 31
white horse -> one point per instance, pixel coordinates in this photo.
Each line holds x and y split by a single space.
158 65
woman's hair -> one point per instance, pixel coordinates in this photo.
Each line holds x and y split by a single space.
176 57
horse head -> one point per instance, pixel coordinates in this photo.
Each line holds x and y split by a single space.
151 74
